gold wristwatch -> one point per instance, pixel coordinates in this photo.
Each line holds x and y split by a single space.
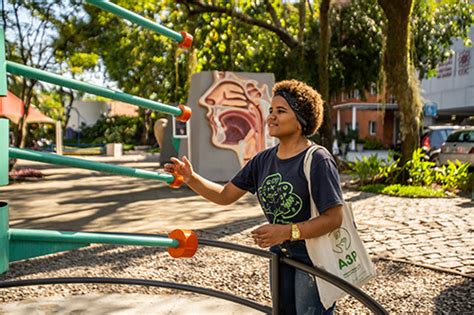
295 232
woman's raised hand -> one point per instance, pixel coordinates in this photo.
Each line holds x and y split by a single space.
183 168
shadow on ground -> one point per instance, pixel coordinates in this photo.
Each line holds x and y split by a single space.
87 257
451 294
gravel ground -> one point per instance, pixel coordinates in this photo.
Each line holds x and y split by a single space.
401 288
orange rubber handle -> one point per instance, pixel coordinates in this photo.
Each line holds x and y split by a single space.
186 113
187 40
188 243
178 181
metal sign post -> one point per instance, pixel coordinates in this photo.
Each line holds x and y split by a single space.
182 130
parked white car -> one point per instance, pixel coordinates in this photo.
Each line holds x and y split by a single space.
458 146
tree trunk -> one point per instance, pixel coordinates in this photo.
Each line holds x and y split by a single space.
326 128
147 130
26 97
401 80
301 27
67 107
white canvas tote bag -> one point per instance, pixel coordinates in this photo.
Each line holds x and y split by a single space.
340 252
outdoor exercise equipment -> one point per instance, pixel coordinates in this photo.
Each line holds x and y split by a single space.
17 244
174 180
182 112
184 39
3 66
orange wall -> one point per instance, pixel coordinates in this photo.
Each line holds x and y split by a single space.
383 120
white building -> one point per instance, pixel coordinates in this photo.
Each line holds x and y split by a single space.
449 97
86 112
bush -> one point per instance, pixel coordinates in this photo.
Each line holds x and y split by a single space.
419 170
116 129
403 191
372 170
367 169
373 145
38 132
454 176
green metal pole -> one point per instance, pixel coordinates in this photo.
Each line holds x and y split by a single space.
3 65
4 248
4 152
32 73
137 19
84 237
89 165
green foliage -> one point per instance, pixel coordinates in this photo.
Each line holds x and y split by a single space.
82 38
352 134
373 144
341 137
38 132
367 169
78 62
390 172
116 129
435 26
403 191
50 104
423 172
420 171
356 42
128 146
453 176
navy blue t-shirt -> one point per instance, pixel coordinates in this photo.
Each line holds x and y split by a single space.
282 188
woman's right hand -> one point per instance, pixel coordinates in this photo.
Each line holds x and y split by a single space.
183 168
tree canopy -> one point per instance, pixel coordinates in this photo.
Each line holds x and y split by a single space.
281 37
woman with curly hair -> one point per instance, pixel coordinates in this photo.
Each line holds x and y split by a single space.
277 176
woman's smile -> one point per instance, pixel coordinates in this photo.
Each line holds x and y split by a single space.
281 120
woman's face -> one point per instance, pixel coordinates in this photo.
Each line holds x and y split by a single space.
282 120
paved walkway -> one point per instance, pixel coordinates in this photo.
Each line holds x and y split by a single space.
131 304
431 232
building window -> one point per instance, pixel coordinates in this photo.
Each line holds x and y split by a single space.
372 128
349 127
353 94
373 89
391 99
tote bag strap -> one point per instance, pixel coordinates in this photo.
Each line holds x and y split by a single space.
307 172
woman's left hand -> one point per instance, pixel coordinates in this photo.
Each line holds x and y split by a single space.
271 234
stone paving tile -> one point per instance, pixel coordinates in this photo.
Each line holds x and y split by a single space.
429 231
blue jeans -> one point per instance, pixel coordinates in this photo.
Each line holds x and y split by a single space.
298 290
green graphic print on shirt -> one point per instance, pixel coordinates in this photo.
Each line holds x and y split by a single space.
278 200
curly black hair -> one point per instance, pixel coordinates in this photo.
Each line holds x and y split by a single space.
308 103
